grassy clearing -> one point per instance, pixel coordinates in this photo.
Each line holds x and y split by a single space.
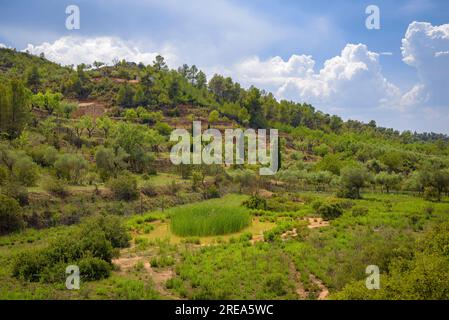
162 231
235 271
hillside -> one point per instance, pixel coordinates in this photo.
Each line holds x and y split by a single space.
84 155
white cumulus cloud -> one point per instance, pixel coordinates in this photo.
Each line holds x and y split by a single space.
426 48
350 82
75 50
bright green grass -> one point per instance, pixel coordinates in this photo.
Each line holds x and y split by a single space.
209 218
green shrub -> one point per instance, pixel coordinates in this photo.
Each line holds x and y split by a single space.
113 228
359 211
45 155
25 171
276 285
91 247
11 219
330 210
163 128
94 268
212 193
71 167
256 202
124 187
29 265
17 192
247 236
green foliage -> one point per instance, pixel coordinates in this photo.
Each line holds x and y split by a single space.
10 216
207 219
422 277
212 192
124 187
262 272
110 161
359 211
213 116
48 101
44 155
148 189
55 187
71 167
329 210
388 181
137 141
125 96
255 202
14 108
351 181
163 128
94 269
91 247
25 171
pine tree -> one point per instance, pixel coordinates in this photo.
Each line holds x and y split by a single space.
14 108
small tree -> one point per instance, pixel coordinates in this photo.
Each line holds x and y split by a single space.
88 123
352 179
105 123
388 180
70 167
125 96
214 116
110 161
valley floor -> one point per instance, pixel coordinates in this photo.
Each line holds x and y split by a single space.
280 255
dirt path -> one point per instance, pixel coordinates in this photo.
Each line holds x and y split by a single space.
324 291
300 291
159 277
317 223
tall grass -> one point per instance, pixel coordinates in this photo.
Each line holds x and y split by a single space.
207 219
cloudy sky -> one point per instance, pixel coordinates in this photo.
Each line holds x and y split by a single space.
308 51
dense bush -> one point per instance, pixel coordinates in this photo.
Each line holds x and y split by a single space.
10 217
71 167
422 276
16 191
94 268
91 247
124 187
256 202
329 210
45 155
212 193
25 171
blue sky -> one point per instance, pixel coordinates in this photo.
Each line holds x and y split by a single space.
281 46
